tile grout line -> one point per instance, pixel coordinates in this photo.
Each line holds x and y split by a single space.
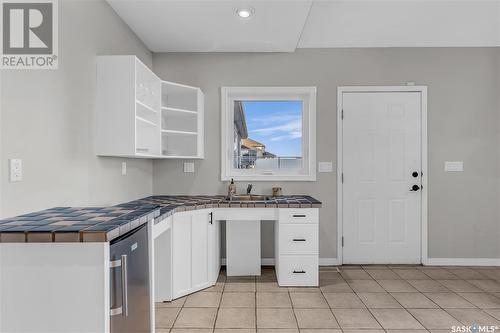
386 291
220 303
178 314
255 299
370 310
411 314
293 310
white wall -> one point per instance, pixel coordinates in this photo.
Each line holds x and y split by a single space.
463 124
46 120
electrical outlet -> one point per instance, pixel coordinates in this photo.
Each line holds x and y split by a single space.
16 169
124 168
325 167
453 166
188 167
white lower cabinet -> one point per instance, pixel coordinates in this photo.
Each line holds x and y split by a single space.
199 251
181 255
298 271
188 254
214 245
298 239
195 253
297 247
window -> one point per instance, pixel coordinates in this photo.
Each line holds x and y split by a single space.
268 133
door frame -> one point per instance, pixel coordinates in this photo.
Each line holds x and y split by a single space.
423 95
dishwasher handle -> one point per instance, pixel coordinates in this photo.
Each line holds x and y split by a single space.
122 263
124 286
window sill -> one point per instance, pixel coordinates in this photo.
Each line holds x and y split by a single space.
276 177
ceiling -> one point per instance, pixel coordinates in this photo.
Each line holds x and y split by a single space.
284 25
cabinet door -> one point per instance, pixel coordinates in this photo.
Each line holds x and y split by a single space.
181 259
214 250
199 250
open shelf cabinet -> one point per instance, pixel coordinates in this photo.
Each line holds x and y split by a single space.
139 115
182 120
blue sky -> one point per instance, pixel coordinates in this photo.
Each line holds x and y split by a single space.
277 124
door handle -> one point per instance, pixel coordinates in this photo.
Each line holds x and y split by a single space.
299 240
414 188
298 215
124 286
299 272
211 217
122 263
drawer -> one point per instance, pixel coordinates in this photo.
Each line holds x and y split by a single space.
298 215
298 239
301 271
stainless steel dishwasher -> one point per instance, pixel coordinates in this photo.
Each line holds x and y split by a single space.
129 285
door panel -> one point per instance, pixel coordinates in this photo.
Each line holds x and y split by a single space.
181 247
366 221
200 250
381 149
191 252
214 250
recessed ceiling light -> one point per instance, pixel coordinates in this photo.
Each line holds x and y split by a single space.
245 12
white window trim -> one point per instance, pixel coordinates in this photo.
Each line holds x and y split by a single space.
307 94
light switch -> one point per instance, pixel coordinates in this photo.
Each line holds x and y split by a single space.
188 167
124 168
16 169
325 167
454 166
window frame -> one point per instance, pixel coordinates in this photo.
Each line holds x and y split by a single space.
308 97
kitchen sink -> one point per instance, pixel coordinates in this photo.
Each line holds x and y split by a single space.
250 197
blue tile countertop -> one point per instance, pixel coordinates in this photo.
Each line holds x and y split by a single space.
102 224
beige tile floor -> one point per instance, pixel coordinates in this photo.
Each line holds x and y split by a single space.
350 299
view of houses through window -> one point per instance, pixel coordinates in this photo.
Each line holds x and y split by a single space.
268 134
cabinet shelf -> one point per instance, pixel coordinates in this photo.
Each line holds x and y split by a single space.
181 157
165 108
147 107
146 121
178 132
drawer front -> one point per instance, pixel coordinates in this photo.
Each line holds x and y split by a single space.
299 215
298 271
298 239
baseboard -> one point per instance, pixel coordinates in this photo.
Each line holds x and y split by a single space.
270 261
328 262
462 262
263 262
428 262
267 261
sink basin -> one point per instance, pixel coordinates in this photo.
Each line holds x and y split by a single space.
251 197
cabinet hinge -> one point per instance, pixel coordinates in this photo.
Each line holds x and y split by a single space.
342 114
342 241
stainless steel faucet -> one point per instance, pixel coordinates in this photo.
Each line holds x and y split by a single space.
249 189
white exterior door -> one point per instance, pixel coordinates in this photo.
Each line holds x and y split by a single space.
382 177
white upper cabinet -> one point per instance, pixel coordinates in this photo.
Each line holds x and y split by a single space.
139 115
182 121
